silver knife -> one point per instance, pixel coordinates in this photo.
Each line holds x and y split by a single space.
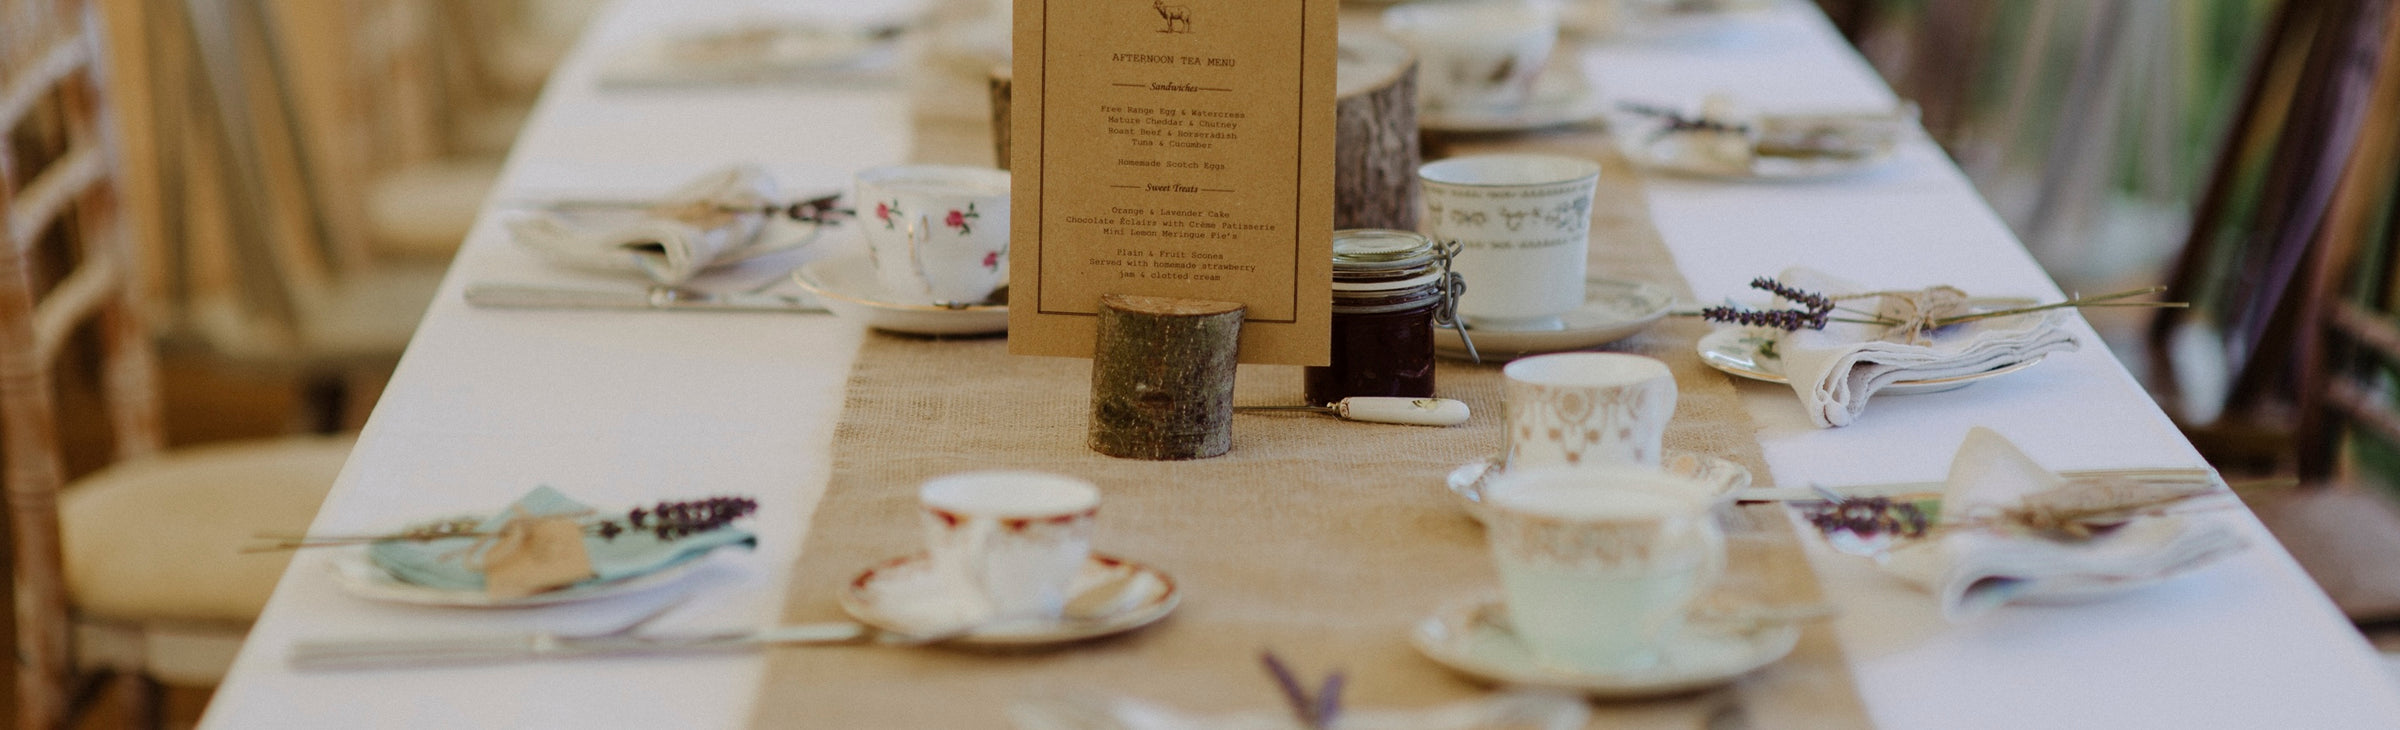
321 654
522 296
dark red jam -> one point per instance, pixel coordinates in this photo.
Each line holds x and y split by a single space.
1380 354
1387 288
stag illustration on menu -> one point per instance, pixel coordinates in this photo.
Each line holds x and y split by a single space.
1178 17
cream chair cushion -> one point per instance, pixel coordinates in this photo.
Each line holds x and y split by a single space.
424 210
160 538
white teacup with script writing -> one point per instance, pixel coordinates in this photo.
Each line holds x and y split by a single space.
1011 541
1476 55
1523 225
1598 566
938 234
1578 409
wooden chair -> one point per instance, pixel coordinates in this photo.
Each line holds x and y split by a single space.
401 115
132 570
2290 264
2255 228
291 287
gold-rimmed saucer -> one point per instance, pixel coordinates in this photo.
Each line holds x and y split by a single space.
904 596
847 286
1473 637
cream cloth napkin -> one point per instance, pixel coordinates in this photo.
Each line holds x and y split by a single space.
1837 368
1974 570
691 229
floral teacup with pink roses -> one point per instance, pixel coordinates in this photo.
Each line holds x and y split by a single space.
938 234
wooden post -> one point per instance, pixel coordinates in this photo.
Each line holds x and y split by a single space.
1162 377
1375 150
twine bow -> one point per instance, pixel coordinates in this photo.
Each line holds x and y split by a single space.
1914 315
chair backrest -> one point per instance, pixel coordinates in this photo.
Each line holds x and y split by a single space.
2259 221
67 265
268 183
2349 351
289 108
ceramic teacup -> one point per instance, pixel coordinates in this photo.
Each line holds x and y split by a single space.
1012 540
1477 55
938 234
1523 223
1598 566
1587 409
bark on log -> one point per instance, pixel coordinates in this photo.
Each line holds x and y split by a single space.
1162 377
1375 152
1002 80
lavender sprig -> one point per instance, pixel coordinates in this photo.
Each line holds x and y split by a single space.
1813 301
1816 310
668 520
1869 517
1787 320
1678 122
1315 713
673 520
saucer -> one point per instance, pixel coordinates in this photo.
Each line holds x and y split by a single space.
1735 351
1612 310
901 595
1472 637
1559 99
847 286
1728 478
359 576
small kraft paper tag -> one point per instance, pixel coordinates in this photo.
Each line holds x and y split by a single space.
535 554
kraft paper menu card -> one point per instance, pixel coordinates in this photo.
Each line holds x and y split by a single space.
1178 148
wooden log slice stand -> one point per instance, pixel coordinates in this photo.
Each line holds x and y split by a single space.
1162 377
1375 152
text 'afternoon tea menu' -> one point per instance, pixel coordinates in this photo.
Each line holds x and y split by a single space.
1176 148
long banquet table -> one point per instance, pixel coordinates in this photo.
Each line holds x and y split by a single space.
623 407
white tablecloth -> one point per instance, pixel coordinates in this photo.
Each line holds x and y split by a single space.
618 408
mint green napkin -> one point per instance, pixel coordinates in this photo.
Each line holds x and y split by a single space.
446 563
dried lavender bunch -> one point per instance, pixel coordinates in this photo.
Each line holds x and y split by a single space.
1678 122
1314 712
668 520
1788 320
672 520
1816 309
1869 517
813 210
1815 302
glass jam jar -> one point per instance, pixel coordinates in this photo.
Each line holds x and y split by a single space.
1390 289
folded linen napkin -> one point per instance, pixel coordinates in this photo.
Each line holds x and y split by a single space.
700 224
450 562
1725 137
1837 368
1975 569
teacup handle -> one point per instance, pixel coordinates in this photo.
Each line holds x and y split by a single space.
920 232
1713 539
974 543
